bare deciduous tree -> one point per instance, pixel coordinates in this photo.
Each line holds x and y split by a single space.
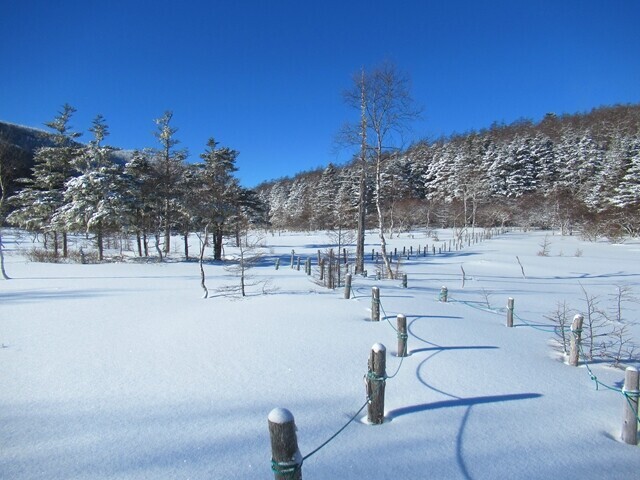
386 108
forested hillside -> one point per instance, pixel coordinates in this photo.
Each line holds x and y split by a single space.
576 172
568 172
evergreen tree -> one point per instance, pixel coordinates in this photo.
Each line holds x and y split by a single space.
220 191
143 205
627 192
324 195
43 194
94 200
168 165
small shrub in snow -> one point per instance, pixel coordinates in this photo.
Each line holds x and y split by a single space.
605 335
42 255
561 318
545 247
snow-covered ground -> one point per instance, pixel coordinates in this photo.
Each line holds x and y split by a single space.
123 371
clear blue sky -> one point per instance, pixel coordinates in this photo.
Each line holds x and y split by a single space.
266 77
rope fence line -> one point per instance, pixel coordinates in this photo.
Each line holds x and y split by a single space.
399 335
290 470
373 381
628 394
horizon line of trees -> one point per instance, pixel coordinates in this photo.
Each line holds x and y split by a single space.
570 172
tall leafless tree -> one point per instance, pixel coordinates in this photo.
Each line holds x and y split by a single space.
386 107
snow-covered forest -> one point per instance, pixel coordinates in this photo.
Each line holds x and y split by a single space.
569 172
576 172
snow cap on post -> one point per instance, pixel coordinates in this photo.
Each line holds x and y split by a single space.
280 415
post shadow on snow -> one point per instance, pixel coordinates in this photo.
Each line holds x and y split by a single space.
444 349
389 318
460 402
535 279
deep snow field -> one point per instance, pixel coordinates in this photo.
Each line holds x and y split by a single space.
123 371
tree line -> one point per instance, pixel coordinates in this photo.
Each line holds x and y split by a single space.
77 188
570 172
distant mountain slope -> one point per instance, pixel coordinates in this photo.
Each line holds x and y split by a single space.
18 145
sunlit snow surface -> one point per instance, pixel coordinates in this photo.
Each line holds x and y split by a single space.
123 371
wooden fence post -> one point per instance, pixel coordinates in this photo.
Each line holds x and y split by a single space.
404 280
330 272
322 269
376 377
576 335
402 335
347 286
293 252
630 412
286 459
308 266
444 294
277 263
375 304
298 264
510 312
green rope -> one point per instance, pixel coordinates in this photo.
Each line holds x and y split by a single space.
338 432
399 366
633 409
374 377
576 332
628 394
286 469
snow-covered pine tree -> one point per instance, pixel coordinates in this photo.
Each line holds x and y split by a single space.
220 191
38 202
277 203
94 199
142 204
627 193
325 199
168 163
299 205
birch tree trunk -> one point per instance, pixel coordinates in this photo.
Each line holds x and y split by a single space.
383 242
203 246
